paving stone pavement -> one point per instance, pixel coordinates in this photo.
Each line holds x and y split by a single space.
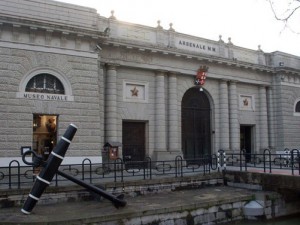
103 211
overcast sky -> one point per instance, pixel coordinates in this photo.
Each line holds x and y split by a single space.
249 23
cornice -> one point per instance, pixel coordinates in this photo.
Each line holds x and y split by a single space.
53 27
202 58
286 70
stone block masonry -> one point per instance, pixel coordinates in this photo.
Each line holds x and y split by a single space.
181 201
185 207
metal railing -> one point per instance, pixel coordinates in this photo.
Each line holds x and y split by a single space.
266 162
16 177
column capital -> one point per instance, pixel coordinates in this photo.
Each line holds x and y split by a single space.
270 88
102 64
222 81
173 73
233 81
161 72
263 86
112 66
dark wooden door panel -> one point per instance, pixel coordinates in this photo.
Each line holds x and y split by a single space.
133 141
196 132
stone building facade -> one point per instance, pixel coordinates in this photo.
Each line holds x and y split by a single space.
133 84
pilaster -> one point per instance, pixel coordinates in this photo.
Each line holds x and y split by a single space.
111 104
224 116
234 125
271 127
173 139
101 100
160 114
263 118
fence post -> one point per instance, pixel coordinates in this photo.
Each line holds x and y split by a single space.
243 152
293 159
118 161
221 159
269 153
178 159
149 162
83 170
10 175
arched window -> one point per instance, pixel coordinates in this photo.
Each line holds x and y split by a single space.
297 107
45 83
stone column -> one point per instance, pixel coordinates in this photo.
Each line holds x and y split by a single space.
224 116
160 113
234 125
270 105
263 118
173 138
101 101
111 104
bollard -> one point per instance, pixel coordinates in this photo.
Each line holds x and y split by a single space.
49 170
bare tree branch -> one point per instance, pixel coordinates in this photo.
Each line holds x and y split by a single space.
289 11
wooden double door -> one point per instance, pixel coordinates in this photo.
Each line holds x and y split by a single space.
196 127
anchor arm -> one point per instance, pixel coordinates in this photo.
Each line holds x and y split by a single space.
117 201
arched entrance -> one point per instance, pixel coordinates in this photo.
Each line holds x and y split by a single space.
196 129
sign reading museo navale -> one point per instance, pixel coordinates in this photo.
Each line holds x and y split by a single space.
45 96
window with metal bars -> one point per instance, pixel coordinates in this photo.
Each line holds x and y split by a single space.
45 83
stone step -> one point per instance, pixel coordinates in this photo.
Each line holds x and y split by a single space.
52 194
193 206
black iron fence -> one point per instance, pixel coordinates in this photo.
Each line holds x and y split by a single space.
16 176
288 162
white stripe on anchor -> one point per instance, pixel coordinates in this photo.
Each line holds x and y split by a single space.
57 155
43 180
32 196
65 139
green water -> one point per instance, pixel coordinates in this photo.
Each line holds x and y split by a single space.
294 220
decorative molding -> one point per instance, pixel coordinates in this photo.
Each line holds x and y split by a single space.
32 34
64 38
78 41
1 29
246 102
32 47
294 109
16 32
135 91
26 78
48 37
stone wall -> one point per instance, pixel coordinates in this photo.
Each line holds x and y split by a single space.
82 107
52 12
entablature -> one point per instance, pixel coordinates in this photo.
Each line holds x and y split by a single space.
185 55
